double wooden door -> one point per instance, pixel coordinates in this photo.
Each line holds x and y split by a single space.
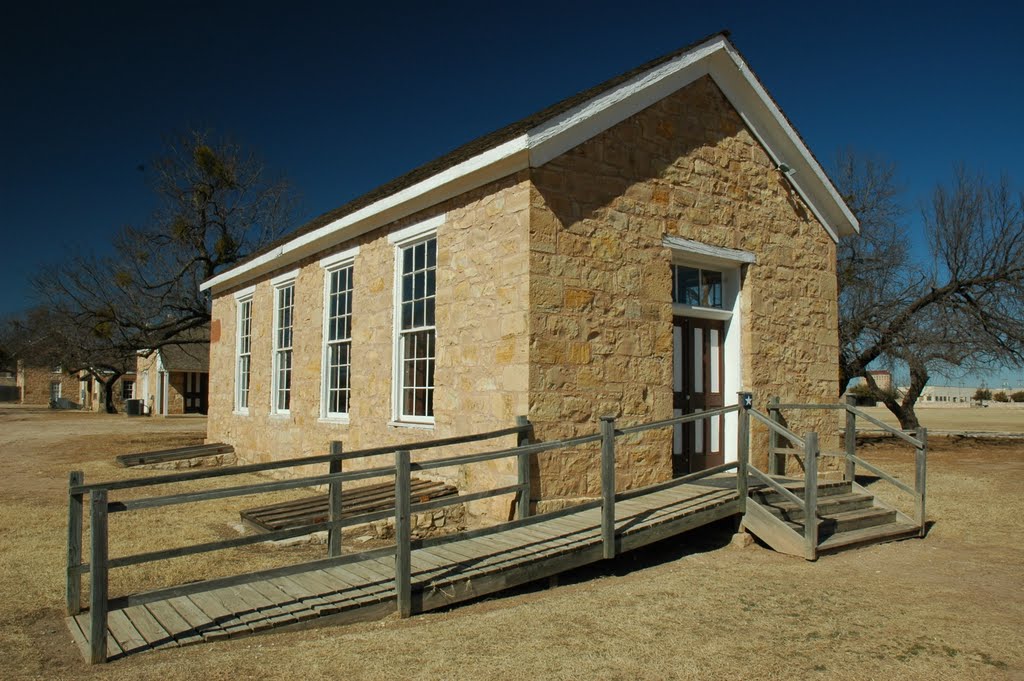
698 384
197 391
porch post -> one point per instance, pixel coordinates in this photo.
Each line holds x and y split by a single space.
773 440
921 479
608 485
334 505
746 401
403 534
811 496
523 465
850 440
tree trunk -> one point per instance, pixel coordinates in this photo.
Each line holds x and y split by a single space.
108 392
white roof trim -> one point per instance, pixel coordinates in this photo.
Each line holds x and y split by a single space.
346 257
285 279
708 253
417 231
246 292
715 57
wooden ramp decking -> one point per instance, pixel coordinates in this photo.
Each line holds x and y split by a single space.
361 587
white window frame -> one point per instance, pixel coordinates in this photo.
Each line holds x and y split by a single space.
242 298
278 284
402 239
330 265
131 393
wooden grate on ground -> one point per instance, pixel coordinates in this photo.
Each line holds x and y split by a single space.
178 454
314 509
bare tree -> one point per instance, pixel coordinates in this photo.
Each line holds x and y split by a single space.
216 206
961 308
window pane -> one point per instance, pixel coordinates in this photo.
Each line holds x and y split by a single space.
686 288
711 289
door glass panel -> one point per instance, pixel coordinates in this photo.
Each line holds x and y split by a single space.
713 368
698 360
714 433
698 434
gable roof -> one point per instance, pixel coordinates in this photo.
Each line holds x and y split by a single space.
542 136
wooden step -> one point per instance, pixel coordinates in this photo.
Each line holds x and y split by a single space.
869 535
768 496
177 454
827 505
354 501
847 521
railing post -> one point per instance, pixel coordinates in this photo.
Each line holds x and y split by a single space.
921 478
850 440
776 462
403 535
523 464
334 503
811 496
98 577
746 401
74 577
608 485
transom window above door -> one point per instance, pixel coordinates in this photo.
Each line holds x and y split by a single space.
697 287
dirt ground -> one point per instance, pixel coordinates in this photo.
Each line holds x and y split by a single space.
961 419
950 606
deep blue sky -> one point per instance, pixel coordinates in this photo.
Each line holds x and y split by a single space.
340 99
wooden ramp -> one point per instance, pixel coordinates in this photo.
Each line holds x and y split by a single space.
446 571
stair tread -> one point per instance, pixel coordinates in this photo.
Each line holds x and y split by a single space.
831 499
847 516
875 534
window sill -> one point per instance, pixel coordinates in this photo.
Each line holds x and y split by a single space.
699 312
410 424
280 416
240 412
334 420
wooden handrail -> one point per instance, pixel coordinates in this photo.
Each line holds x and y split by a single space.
676 420
776 486
780 429
292 463
883 425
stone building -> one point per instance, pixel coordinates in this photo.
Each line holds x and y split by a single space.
93 395
44 385
646 248
175 379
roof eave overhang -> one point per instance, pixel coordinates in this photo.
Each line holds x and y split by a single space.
715 58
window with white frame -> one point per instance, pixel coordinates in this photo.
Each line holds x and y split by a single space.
415 330
243 361
284 308
127 390
698 287
338 285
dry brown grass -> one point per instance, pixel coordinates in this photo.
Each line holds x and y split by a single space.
948 607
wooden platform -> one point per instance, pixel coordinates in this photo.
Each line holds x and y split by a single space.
169 455
361 586
354 501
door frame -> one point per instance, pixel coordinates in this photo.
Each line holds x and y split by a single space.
732 263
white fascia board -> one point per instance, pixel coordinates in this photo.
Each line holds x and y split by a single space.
343 258
560 134
773 130
284 279
416 231
706 253
489 166
246 292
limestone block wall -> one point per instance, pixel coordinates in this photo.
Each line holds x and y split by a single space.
481 377
34 385
601 312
